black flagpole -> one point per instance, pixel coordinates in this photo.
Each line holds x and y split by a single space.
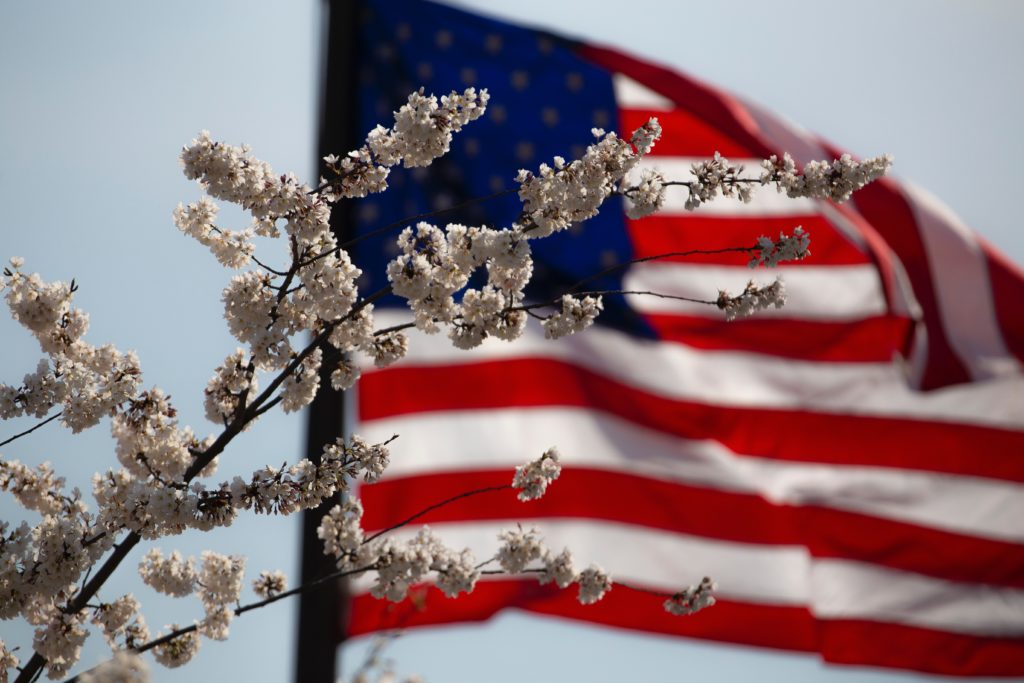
321 611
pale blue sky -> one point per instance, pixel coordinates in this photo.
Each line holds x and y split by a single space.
97 98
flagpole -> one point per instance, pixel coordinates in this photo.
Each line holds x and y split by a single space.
321 617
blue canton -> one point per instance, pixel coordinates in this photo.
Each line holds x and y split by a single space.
544 101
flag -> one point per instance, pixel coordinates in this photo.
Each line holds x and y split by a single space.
848 469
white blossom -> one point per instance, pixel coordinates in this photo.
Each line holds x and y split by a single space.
231 383
220 579
60 642
344 375
693 599
299 390
518 549
559 569
576 315
645 136
172 575
124 667
400 565
178 651
113 618
563 194
823 180
423 127
8 661
532 479
456 571
771 252
387 348
232 249
753 298
37 490
647 196
340 530
594 584
715 177
269 583
216 622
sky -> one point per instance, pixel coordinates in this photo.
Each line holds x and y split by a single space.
96 100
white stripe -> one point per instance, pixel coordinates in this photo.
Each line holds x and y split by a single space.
773 575
851 590
902 301
962 287
783 135
502 439
834 293
631 95
766 200
737 378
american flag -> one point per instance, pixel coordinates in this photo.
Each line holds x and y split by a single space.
848 469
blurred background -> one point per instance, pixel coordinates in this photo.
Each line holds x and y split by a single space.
96 100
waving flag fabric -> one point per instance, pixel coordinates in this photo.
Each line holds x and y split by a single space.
849 469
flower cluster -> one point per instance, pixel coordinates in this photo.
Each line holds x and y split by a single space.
269 583
693 599
124 667
563 194
647 196
519 549
434 265
178 651
115 619
171 575
60 641
232 249
821 179
85 381
220 584
753 298
716 177
576 314
772 252
532 479
8 660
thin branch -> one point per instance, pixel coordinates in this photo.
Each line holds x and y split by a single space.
34 666
655 257
267 268
156 642
606 292
271 404
31 429
465 494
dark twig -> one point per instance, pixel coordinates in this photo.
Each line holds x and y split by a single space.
465 494
32 429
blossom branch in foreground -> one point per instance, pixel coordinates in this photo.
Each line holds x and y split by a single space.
289 322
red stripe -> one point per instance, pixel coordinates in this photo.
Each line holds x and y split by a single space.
773 626
908 647
795 435
684 135
791 628
885 208
1007 281
870 340
699 511
717 109
661 234
881 202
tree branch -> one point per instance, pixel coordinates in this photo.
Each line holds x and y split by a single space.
31 429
